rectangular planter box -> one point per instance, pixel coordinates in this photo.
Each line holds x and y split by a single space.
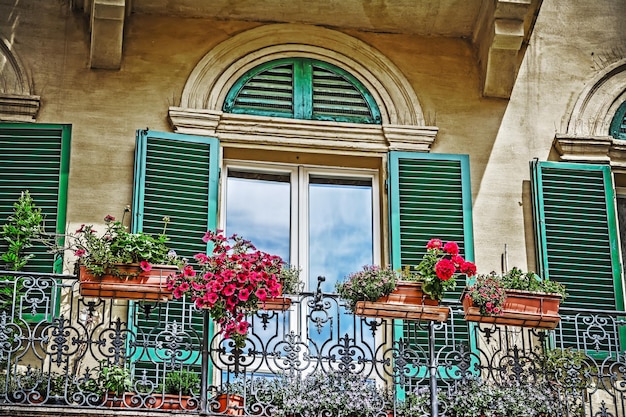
139 285
521 308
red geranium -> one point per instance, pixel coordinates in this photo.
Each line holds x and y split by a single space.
439 266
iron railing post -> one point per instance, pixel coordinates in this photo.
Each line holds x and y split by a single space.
204 377
434 403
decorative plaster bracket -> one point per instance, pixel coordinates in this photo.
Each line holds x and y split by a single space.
505 26
107 33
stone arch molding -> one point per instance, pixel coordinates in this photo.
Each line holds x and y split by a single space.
403 126
16 100
586 136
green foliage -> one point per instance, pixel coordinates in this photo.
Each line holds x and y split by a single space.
290 280
183 382
114 378
116 245
515 279
369 284
438 269
21 228
482 399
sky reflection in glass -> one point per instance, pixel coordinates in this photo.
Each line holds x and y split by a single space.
259 211
340 231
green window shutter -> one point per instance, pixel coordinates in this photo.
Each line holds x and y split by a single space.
35 157
618 124
430 197
175 176
302 88
576 227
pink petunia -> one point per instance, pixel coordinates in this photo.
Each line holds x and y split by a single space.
261 294
244 294
80 252
145 266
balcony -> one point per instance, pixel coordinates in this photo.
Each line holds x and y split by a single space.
55 347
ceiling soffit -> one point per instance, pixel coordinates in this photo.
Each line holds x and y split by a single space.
499 29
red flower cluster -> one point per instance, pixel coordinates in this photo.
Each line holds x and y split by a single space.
230 283
438 267
451 262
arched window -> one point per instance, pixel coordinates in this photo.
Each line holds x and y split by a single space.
302 88
618 124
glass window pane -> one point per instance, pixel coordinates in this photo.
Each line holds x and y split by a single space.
340 229
258 209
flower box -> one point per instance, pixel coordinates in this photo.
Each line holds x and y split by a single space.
275 304
520 308
406 302
130 283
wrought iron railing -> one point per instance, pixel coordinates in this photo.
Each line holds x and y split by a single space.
314 359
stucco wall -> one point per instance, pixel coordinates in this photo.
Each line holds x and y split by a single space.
572 41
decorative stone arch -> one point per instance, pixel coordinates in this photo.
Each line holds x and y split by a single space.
16 100
587 126
200 110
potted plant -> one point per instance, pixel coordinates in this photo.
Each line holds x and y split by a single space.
116 383
515 298
231 400
178 391
230 282
369 284
289 278
437 271
120 264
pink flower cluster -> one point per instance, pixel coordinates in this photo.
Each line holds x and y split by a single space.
488 294
451 262
230 282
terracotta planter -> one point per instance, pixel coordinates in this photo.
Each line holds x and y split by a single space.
131 283
407 302
408 292
521 308
173 402
123 401
228 404
275 304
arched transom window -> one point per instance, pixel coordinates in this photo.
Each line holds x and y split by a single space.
302 88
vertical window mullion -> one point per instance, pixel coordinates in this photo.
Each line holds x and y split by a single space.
303 89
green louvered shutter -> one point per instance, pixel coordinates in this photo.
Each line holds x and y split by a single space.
302 88
175 176
618 124
430 197
576 228
35 157
340 97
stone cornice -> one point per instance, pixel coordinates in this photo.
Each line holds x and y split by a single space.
260 132
592 149
19 108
